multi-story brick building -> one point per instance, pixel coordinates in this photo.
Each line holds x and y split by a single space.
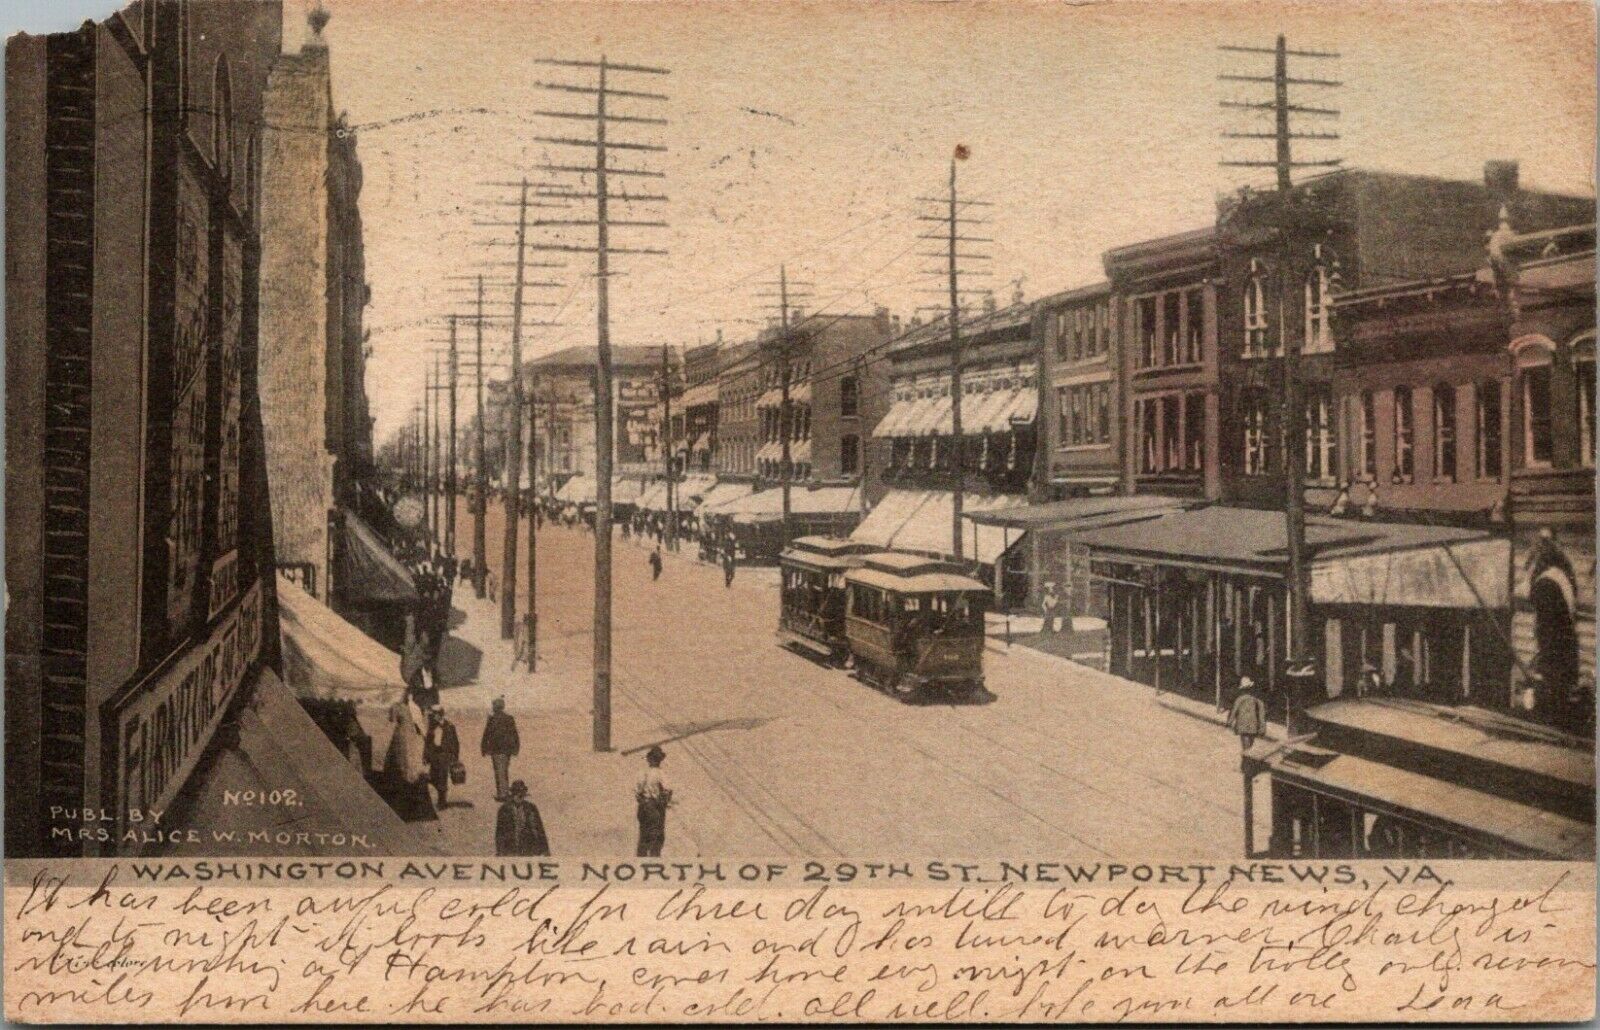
1081 407
1165 318
738 426
138 547
313 349
561 388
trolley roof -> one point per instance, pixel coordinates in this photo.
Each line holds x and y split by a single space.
919 583
899 563
821 560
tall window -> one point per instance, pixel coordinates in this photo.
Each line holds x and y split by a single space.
1060 324
1171 431
849 396
1255 311
849 454
1322 440
1147 436
1194 430
1146 316
1102 327
1487 423
1172 322
1103 405
1533 370
1319 336
1257 434
1583 382
1063 420
1369 436
1444 432
1405 431
1193 326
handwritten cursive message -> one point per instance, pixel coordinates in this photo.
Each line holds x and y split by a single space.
546 941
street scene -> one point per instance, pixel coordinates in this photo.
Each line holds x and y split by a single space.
617 448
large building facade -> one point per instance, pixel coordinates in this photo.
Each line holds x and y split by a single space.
138 544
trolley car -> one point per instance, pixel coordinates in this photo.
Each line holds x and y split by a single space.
811 612
914 625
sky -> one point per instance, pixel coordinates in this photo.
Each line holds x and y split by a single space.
801 134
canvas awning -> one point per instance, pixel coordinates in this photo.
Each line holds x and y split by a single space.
800 450
984 412
1352 561
721 494
769 452
823 500
699 394
770 398
326 657
920 520
625 491
1079 512
893 422
654 498
365 571
279 748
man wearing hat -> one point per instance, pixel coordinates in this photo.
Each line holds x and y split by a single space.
518 830
442 753
652 797
500 742
1249 715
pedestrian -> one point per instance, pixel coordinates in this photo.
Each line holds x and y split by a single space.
728 568
1369 682
491 583
1249 715
1051 603
404 770
518 830
655 564
443 753
414 659
653 798
500 743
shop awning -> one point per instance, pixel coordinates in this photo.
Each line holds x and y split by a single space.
770 398
701 444
937 420
1352 561
920 520
280 749
800 450
1079 512
769 452
699 394
1022 409
1490 818
365 571
721 494
822 500
577 490
801 393
893 422
625 491
326 657
654 498
984 412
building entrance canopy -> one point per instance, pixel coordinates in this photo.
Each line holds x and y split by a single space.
326 657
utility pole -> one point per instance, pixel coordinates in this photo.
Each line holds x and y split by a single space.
480 549
429 457
785 385
666 447
954 273
533 537
450 465
1293 267
440 478
603 223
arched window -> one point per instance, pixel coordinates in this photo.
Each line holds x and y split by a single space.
1532 356
222 120
1583 384
1318 333
1255 311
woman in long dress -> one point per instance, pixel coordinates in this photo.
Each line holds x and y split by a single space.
403 766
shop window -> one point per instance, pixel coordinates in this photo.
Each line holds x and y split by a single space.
1583 382
849 454
1533 374
849 396
1404 437
1444 432
1487 423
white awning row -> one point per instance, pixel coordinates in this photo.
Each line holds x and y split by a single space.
921 520
799 393
993 407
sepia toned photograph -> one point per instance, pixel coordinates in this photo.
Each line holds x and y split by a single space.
990 443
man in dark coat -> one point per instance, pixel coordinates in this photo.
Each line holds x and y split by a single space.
728 567
500 742
442 751
518 830
655 564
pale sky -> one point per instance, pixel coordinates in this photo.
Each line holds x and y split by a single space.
801 133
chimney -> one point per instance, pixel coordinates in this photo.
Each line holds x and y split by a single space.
1500 179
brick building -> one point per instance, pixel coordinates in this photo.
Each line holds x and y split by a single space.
1081 406
138 547
562 387
738 427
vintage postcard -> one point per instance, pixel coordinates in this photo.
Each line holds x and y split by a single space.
805 512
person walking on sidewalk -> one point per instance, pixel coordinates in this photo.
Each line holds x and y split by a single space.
655 564
652 798
443 753
500 743
1051 603
728 567
518 830
1249 715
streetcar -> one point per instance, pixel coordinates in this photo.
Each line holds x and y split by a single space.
914 626
811 594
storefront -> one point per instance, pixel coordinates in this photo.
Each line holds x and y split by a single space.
756 521
1198 600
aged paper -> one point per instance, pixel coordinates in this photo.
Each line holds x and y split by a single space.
800 512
